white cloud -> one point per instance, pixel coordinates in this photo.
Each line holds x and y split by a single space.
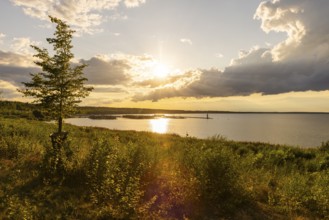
186 41
22 45
133 3
302 20
84 15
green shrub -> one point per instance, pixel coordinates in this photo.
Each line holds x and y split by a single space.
220 192
114 173
19 209
320 194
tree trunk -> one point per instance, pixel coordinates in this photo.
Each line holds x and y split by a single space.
60 124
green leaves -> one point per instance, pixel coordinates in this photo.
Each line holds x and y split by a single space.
114 173
59 87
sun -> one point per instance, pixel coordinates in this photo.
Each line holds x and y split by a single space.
160 70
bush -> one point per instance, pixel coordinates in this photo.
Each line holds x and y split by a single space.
114 173
220 192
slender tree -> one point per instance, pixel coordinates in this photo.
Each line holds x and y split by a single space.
59 87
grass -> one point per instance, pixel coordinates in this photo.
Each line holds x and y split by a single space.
113 174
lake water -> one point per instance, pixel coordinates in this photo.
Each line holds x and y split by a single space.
303 130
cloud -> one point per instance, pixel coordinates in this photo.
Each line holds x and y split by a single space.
134 3
255 55
102 71
22 45
299 63
172 87
302 20
118 75
176 80
8 90
15 59
186 41
108 89
119 69
102 74
243 80
106 72
16 74
82 14
15 66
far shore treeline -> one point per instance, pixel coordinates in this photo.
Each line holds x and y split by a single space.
28 110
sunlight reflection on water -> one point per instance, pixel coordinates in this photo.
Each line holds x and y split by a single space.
303 130
159 125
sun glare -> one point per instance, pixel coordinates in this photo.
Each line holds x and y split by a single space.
159 125
160 70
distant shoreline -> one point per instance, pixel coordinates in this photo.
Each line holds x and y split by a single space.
172 115
89 110
138 116
140 111
7 108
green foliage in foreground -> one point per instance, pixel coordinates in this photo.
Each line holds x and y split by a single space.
138 175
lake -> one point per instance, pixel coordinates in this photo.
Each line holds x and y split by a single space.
303 130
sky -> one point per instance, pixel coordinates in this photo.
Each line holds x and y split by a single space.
232 55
